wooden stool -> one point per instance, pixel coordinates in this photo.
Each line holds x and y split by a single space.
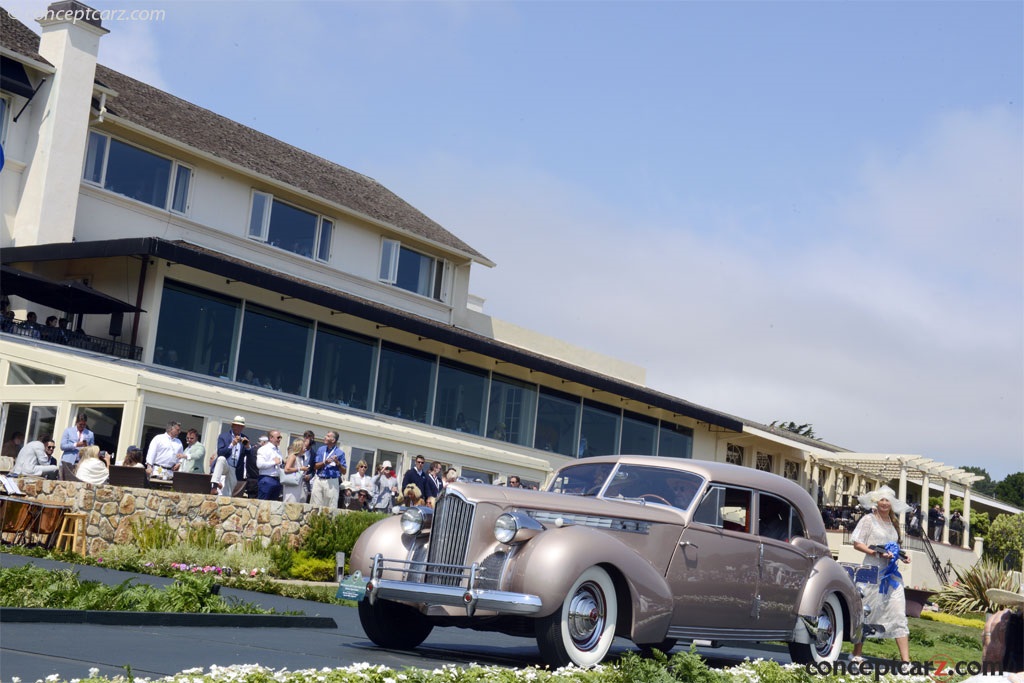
72 532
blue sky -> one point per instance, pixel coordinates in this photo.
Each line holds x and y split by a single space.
783 210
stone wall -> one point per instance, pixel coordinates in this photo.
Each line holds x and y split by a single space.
110 511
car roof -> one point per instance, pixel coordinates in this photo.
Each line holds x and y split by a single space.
720 472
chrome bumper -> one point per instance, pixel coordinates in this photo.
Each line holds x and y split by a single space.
470 597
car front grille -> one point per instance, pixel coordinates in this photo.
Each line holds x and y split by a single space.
450 532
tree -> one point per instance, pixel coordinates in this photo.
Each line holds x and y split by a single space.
985 486
800 430
1005 542
1011 489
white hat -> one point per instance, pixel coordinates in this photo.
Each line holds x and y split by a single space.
264 439
386 464
347 485
238 420
1005 598
870 499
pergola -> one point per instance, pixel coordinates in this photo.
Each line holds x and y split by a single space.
875 469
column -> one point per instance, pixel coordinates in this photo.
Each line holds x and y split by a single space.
902 495
925 488
945 509
964 542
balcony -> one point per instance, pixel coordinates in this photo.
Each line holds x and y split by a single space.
75 339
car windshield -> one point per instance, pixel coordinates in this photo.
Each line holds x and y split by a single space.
660 485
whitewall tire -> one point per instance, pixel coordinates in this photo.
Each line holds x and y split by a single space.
582 630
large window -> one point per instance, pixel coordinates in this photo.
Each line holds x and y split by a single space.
343 366
638 434
133 172
404 382
196 330
511 411
459 402
675 441
558 421
599 434
413 271
34 421
290 228
274 350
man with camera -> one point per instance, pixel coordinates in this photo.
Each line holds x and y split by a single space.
233 451
329 466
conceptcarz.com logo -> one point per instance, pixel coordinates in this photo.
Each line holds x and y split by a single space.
940 668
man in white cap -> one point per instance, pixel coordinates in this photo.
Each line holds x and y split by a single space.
232 451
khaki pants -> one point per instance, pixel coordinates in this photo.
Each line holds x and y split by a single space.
325 492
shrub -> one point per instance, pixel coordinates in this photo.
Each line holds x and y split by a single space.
1005 540
308 568
967 593
153 534
327 535
971 620
282 556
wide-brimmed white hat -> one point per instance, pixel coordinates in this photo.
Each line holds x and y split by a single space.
871 498
238 420
1005 598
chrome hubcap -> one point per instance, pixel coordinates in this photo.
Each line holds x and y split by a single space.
586 616
826 631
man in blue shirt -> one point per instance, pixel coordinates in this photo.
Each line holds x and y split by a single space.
329 465
76 436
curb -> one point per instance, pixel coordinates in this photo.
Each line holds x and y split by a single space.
22 615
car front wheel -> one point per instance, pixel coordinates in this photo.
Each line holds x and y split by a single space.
582 631
393 625
826 639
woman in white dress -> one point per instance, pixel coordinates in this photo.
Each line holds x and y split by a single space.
880 527
293 489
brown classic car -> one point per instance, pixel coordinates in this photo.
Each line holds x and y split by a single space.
652 549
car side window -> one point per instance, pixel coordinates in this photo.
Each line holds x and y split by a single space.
773 517
725 507
777 519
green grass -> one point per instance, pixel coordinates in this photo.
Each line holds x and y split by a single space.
929 640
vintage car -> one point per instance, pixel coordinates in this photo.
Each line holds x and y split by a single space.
652 549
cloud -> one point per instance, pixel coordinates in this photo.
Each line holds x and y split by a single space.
893 322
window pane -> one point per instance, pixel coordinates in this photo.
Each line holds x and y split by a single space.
181 181
105 422
23 374
274 350
557 422
260 203
511 411
478 476
599 434
414 272
42 422
342 367
638 435
137 174
460 397
196 330
675 441
292 229
94 157
326 231
387 256
404 382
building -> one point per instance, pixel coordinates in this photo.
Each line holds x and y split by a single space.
208 270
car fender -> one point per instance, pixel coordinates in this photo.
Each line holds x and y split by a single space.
828 577
549 564
385 538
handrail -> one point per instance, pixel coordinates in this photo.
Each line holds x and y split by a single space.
76 339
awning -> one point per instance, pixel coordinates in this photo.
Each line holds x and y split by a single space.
14 78
69 296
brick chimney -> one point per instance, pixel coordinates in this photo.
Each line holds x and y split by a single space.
70 41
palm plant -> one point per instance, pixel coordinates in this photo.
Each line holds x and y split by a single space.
968 592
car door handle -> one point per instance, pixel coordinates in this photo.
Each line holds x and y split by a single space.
683 544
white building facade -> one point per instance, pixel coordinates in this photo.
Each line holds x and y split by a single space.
228 273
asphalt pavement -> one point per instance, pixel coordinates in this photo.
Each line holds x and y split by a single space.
34 650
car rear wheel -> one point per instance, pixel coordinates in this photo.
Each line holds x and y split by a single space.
826 639
393 625
582 631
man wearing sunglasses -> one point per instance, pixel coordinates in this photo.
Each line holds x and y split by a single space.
34 459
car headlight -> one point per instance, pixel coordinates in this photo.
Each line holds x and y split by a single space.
514 527
415 520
